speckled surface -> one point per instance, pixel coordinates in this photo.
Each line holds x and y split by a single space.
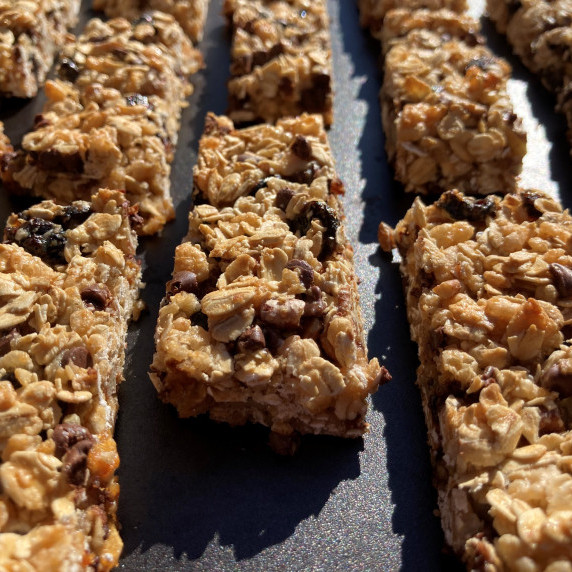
200 496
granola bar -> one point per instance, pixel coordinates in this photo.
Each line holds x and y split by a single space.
488 285
111 119
446 112
191 14
280 59
261 320
69 281
30 35
540 33
372 12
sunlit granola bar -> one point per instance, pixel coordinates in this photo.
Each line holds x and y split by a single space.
261 320
30 35
280 59
112 118
372 12
488 284
191 14
69 281
540 33
446 112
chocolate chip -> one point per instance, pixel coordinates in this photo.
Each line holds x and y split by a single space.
183 281
68 70
53 160
261 57
283 197
315 305
251 340
200 319
79 356
66 435
554 379
302 148
96 297
75 462
6 341
306 272
562 279
336 187
314 99
550 421
467 208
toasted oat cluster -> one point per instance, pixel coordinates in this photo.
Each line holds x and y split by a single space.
280 59
31 32
191 14
540 33
489 297
446 112
68 285
372 12
111 117
261 320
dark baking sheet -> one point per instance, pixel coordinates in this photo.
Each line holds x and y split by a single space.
200 496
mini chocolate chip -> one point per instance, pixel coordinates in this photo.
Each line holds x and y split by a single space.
283 197
306 272
66 435
183 281
251 340
75 462
79 356
562 279
302 148
554 379
96 297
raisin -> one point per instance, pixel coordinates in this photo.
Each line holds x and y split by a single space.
41 238
328 218
73 215
460 207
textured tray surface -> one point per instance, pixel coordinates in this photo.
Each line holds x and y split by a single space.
200 496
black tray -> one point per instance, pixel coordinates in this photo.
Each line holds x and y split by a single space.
200 496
